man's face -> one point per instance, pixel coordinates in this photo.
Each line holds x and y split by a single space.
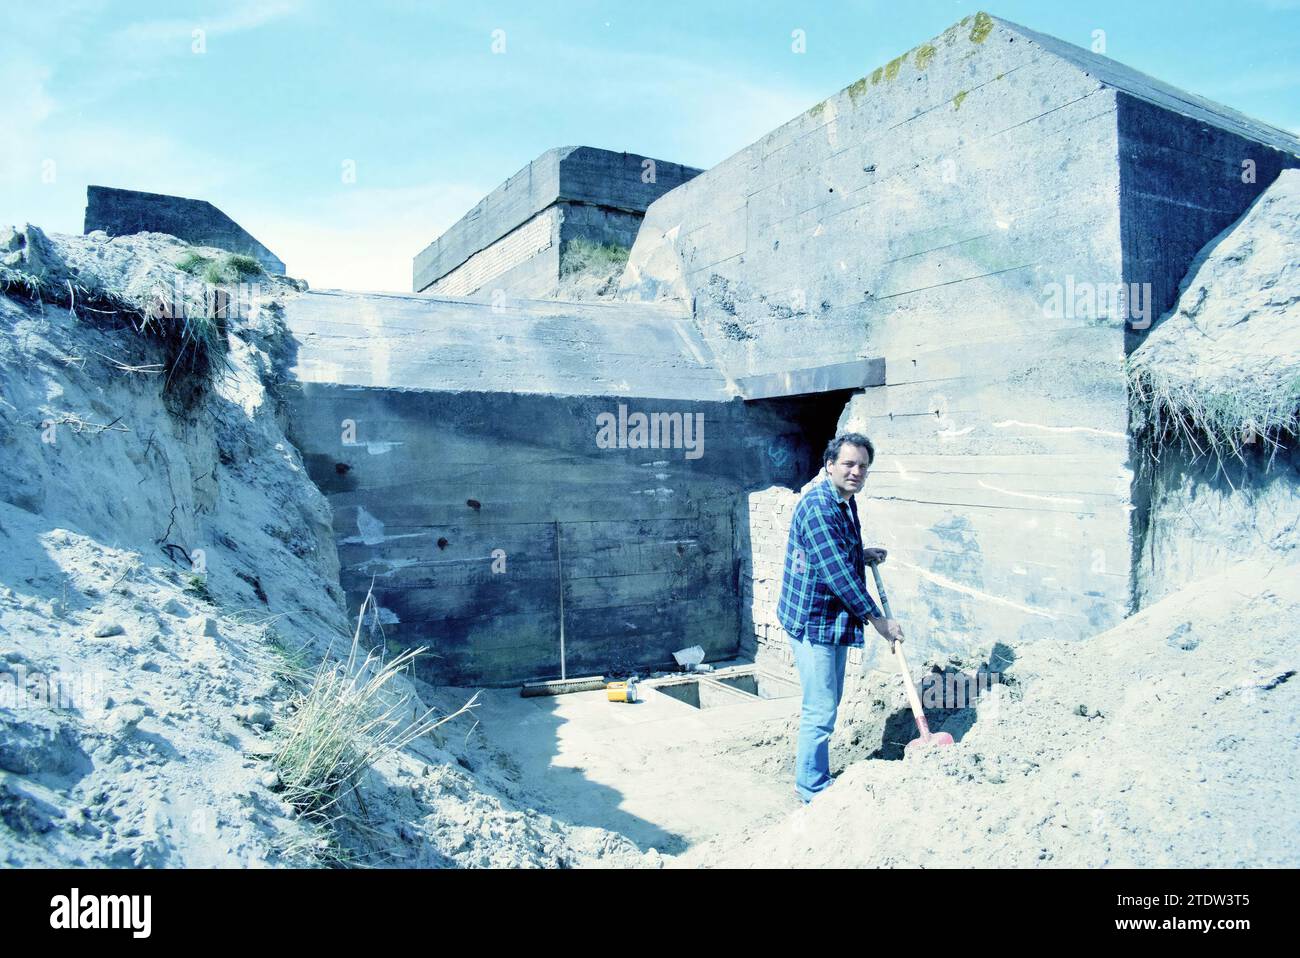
849 471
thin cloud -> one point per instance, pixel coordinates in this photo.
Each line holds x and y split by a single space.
175 35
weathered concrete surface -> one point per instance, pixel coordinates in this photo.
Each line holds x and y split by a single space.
855 374
525 261
124 212
966 212
513 237
411 341
478 513
460 450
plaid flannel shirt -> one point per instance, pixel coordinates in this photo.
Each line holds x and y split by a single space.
824 594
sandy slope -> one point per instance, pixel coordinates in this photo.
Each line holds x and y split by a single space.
1170 740
159 757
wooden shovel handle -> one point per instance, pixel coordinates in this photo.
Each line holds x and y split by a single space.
912 698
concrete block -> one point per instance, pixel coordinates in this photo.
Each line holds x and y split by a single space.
123 212
602 189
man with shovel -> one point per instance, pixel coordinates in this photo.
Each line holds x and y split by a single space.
824 600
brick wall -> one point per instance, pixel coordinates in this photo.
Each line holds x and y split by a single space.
517 246
768 521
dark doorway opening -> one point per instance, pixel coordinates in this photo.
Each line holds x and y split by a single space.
798 429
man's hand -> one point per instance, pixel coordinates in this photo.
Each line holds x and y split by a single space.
889 628
875 555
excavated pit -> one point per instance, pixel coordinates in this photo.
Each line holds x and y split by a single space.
702 693
760 684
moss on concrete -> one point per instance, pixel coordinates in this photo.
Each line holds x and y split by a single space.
957 100
980 25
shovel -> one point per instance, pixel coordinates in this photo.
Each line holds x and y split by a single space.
926 738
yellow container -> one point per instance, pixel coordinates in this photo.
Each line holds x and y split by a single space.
621 691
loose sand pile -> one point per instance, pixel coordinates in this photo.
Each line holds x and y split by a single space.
1170 740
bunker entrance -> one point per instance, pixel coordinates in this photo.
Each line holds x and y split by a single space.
800 427
801 410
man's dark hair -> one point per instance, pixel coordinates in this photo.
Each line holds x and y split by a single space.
848 439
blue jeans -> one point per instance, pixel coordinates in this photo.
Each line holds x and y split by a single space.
821 673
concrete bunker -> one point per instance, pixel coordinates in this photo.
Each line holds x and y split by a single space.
957 213
934 258
491 480
532 230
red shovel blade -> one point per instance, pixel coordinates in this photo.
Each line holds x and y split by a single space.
935 739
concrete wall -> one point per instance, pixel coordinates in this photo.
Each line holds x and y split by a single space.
599 224
452 504
644 535
1182 182
919 218
574 177
527 262
123 212
443 431
949 174
410 341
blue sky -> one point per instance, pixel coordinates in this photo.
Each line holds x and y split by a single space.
286 91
